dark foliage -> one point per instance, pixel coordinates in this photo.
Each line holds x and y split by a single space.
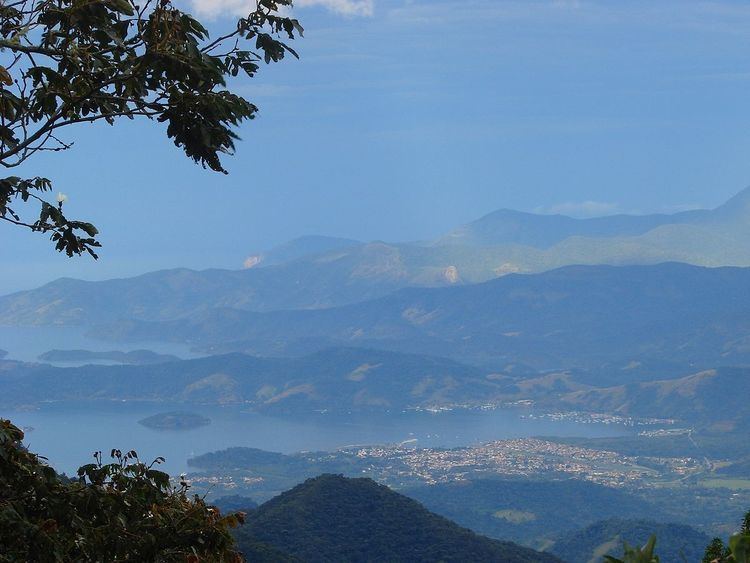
332 518
528 511
737 550
125 511
235 503
716 551
676 542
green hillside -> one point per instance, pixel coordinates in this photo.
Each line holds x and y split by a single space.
332 518
675 542
334 379
527 511
716 397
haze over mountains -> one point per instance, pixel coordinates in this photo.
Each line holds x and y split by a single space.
340 379
506 226
580 316
627 338
320 272
350 379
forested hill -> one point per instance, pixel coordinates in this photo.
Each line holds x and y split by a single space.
528 511
675 542
332 518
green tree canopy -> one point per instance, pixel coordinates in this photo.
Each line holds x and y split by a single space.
68 62
120 511
736 551
636 554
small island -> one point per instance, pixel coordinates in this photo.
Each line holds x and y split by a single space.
175 421
3 353
135 357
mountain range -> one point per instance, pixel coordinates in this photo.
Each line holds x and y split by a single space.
321 272
644 341
579 316
351 379
337 379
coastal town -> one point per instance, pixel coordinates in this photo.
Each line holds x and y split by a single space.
403 465
523 457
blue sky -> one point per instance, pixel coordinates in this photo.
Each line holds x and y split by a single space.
404 118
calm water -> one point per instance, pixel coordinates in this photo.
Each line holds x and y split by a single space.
67 435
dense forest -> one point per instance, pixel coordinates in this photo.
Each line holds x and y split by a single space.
332 518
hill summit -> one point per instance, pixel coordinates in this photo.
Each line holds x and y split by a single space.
333 518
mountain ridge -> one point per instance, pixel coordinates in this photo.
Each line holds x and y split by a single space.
339 379
322 272
577 316
520 227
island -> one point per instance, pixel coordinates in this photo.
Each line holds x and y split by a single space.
175 421
135 357
3 353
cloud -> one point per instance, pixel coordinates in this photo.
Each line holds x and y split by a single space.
343 7
581 209
219 8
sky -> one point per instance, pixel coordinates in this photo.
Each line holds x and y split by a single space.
406 118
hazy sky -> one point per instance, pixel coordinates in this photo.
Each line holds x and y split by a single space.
405 118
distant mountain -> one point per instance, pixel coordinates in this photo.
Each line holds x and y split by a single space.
321 272
173 294
344 276
336 379
675 542
506 226
711 397
527 511
302 247
572 317
234 503
332 518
